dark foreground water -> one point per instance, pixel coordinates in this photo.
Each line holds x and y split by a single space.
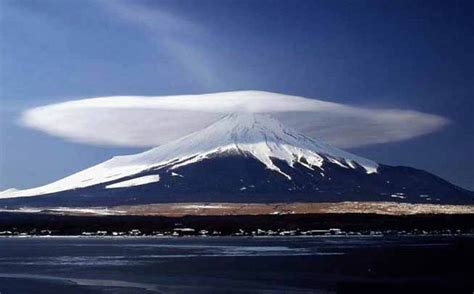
237 265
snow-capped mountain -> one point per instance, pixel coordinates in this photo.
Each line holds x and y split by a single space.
242 157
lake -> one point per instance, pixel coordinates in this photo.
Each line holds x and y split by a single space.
355 264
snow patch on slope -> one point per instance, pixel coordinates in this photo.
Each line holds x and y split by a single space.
135 182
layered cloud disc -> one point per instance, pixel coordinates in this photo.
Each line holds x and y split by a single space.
152 121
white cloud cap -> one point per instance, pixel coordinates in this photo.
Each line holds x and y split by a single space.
152 121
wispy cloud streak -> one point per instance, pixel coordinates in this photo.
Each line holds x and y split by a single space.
178 37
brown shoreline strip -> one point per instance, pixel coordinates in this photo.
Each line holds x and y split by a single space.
217 209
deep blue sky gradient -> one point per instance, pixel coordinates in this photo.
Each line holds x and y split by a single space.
399 54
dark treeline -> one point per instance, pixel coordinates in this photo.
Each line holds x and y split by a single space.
71 225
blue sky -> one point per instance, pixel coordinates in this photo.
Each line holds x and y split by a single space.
398 54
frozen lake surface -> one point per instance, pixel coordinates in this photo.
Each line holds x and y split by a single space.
237 265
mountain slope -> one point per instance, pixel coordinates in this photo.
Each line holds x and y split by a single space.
241 158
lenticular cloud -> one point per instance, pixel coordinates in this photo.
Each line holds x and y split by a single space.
152 121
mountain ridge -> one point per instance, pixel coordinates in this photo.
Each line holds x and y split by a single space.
257 134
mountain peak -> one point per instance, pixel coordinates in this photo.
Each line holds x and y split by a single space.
255 135
239 122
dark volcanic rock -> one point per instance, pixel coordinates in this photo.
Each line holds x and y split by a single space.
240 178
